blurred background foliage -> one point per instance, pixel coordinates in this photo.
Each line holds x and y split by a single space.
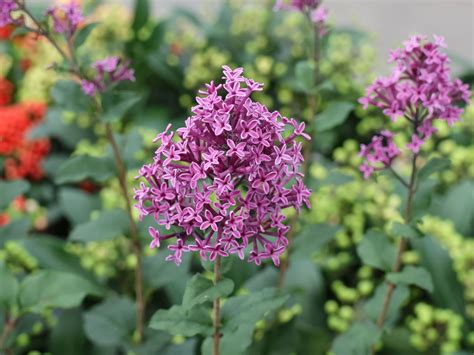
57 223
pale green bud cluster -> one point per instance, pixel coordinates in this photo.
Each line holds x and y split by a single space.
435 330
17 258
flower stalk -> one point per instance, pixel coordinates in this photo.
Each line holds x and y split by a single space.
216 311
118 159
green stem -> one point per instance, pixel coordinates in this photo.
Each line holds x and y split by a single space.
216 311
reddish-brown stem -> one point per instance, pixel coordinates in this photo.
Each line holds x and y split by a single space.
121 171
216 311
8 328
307 145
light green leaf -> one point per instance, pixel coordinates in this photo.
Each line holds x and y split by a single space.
335 114
108 225
432 166
82 167
200 290
8 288
68 95
55 289
412 275
11 189
178 321
111 322
376 250
405 231
358 340
313 238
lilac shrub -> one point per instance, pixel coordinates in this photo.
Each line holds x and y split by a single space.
225 178
420 90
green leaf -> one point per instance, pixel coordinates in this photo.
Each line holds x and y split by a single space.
457 206
358 340
448 291
432 166
376 250
226 265
373 307
141 14
111 322
67 336
304 72
108 225
11 189
240 314
68 95
15 230
77 205
83 34
200 290
313 238
335 114
412 275
117 107
82 167
55 289
404 230
179 321
157 272
8 289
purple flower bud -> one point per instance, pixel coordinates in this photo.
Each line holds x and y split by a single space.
224 182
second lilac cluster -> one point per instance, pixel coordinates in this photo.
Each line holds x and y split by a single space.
66 18
6 9
420 90
107 71
225 178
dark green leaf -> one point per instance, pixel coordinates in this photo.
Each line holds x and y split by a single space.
15 230
376 250
432 166
111 322
77 205
335 114
142 11
226 264
83 34
108 225
55 289
117 107
82 167
358 340
313 238
67 336
304 72
200 290
8 288
69 96
157 272
373 307
448 292
178 321
404 230
11 189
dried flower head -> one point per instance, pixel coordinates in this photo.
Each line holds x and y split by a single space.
224 179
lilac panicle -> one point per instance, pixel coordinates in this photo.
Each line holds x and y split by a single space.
108 71
66 18
224 178
6 9
420 90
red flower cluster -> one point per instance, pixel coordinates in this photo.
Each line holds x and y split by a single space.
22 156
5 32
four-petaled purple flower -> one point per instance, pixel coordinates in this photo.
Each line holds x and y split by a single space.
108 71
225 178
419 89
6 9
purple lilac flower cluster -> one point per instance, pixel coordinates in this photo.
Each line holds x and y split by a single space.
108 71
225 178
420 90
66 18
317 13
6 9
